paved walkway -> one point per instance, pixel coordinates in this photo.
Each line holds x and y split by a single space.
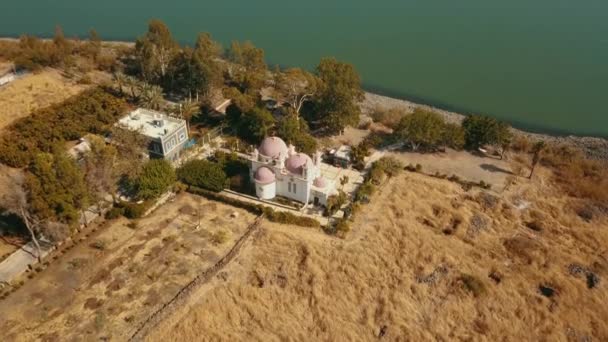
18 262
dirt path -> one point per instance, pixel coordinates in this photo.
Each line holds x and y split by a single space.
188 293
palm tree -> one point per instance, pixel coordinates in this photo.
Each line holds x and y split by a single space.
151 96
536 150
188 109
133 84
121 81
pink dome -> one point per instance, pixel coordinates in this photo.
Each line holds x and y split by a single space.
320 182
264 175
296 163
272 147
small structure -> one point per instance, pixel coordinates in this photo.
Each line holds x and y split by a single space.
341 157
278 170
167 135
7 78
79 150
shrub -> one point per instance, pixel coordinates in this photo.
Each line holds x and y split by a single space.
366 190
156 177
342 227
472 284
135 210
98 245
179 187
114 213
203 174
384 167
220 237
388 117
334 203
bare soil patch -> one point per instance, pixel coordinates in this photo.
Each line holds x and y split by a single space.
460 163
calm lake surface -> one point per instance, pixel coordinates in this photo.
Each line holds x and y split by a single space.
542 64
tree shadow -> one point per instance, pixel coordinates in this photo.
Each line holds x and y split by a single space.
494 168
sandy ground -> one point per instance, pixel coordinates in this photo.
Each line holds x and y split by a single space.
22 96
461 163
425 261
90 293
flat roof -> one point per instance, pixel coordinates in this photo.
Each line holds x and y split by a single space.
146 121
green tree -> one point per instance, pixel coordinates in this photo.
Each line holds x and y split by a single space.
537 150
198 71
483 130
151 96
295 86
295 131
187 109
504 137
156 177
453 136
421 128
203 174
99 167
155 51
256 124
248 71
131 147
57 189
336 102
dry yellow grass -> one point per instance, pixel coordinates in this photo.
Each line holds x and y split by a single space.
425 261
107 285
5 67
22 96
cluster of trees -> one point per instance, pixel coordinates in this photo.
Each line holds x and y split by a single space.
428 130
159 60
329 96
92 111
33 53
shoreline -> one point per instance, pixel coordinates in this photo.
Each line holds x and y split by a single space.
594 147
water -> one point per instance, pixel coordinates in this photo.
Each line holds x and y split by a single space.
542 64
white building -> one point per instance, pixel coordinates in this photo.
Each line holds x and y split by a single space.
167 135
278 170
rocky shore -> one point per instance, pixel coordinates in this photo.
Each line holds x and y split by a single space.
593 147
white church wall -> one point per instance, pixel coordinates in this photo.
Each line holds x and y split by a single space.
265 191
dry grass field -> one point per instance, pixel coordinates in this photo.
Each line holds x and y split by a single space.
104 287
24 95
425 261
5 67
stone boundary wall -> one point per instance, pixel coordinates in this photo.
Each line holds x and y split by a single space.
182 296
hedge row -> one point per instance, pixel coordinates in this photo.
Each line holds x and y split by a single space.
129 210
92 111
258 209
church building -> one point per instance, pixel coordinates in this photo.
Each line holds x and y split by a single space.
278 170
